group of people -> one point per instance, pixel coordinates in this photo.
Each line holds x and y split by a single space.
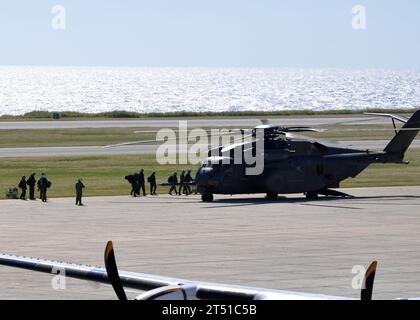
138 184
43 185
185 182
137 181
179 186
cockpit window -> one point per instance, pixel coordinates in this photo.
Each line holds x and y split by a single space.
211 162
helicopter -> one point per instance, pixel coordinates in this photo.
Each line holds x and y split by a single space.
299 165
292 163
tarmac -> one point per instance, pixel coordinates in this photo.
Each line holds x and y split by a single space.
196 122
151 149
290 244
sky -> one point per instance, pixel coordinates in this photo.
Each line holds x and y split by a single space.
211 33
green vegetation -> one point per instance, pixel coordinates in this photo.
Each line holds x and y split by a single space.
355 132
104 175
107 136
388 175
120 114
75 137
70 137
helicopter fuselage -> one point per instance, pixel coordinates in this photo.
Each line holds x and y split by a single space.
301 167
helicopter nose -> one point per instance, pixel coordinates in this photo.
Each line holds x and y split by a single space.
204 177
203 174
206 171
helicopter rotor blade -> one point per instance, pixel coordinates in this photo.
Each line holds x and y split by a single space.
170 139
322 141
388 115
214 147
369 129
130 143
231 131
348 122
302 129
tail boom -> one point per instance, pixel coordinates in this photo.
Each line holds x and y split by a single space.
403 138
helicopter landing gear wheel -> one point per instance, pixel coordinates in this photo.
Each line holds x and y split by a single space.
207 197
311 196
272 196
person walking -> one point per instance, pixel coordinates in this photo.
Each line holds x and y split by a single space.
43 185
173 181
31 182
79 191
188 181
22 186
133 182
141 182
136 183
152 180
181 183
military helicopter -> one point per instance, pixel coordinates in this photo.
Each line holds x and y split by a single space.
293 163
299 165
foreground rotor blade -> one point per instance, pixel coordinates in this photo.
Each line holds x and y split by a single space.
368 281
112 271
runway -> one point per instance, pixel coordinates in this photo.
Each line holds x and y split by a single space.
289 244
150 149
196 122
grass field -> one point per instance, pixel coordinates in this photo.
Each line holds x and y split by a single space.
104 175
107 136
70 137
121 114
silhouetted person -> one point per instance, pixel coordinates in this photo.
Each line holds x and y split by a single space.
31 182
22 186
141 182
181 182
173 181
152 180
188 180
136 178
43 185
133 181
79 192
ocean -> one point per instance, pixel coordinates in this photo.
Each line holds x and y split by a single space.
99 89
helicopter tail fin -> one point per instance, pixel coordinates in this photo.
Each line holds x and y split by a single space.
405 136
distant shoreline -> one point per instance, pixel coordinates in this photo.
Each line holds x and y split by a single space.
119 114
